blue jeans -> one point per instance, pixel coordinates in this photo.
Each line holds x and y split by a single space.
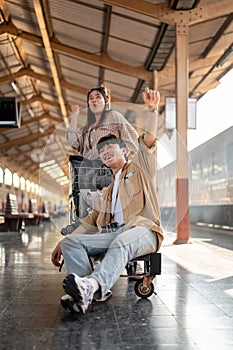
118 247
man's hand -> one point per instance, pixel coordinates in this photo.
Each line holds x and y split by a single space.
56 255
151 98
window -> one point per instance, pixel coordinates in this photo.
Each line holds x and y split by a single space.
28 185
196 172
37 189
207 166
16 181
218 167
22 183
1 175
32 187
8 177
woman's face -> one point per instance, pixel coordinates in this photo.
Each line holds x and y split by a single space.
96 102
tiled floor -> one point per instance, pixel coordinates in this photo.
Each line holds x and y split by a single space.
193 308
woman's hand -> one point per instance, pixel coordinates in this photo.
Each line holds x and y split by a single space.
75 109
74 116
151 98
56 255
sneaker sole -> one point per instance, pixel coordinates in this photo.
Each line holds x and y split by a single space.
70 288
68 306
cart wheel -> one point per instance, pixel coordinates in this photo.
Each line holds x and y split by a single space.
69 229
141 291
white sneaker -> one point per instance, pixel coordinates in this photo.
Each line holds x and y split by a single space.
68 303
80 289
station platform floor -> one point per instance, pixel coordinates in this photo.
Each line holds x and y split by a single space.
193 308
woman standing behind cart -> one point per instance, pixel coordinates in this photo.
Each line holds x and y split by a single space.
101 121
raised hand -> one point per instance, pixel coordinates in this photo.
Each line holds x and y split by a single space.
74 118
75 108
151 98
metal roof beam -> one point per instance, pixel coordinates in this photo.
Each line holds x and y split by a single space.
49 52
165 14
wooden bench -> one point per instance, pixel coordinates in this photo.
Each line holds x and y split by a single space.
33 209
13 219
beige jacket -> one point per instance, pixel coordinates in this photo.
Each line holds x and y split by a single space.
137 194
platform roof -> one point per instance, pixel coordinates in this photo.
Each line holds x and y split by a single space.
53 51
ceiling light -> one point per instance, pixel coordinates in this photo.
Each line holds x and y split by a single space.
49 162
63 178
66 182
30 111
15 87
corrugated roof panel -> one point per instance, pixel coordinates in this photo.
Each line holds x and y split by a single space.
122 92
77 65
119 79
196 48
206 30
133 31
13 134
76 99
23 16
134 55
48 89
10 60
6 49
122 86
91 15
75 36
36 52
71 67
6 90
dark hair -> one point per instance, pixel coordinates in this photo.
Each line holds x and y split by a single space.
101 89
110 139
90 115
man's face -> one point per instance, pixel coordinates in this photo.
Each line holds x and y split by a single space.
111 154
96 102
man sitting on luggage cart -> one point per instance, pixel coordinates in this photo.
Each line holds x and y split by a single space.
127 214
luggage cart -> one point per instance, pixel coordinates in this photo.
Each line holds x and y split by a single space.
92 175
85 174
